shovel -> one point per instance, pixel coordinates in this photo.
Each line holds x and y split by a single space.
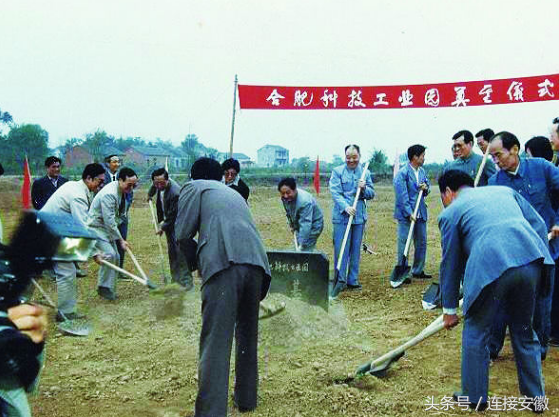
295 242
481 166
379 366
69 327
338 286
148 283
161 256
400 272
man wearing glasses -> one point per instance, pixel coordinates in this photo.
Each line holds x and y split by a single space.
468 161
112 164
105 215
74 198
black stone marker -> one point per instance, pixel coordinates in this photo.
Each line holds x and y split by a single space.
302 275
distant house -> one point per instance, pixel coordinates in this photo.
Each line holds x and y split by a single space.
179 159
272 156
77 156
243 159
111 150
147 156
80 156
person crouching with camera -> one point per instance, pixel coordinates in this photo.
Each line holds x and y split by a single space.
22 337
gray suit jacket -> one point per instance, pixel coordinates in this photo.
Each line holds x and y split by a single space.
226 232
168 214
104 212
484 232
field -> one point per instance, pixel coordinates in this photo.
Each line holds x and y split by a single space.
136 365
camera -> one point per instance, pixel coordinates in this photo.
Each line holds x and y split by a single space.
40 239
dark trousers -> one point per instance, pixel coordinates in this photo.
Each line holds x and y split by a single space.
515 293
543 322
123 228
230 305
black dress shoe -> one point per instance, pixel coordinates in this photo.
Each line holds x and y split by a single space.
553 341
80 273
473 406
422 275
357 287
106 293
243 409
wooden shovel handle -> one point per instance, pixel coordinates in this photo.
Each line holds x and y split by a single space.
346 234
123 271
138 267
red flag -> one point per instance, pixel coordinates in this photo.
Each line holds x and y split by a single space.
316 180
26 188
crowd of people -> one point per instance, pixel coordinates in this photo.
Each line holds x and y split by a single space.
498 238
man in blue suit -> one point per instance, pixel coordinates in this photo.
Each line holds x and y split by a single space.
498 242
345 182
407 184
535 179
469 161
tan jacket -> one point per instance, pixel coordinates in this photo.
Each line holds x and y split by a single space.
104 211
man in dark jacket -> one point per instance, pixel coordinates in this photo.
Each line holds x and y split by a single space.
166 202
44 187
233 265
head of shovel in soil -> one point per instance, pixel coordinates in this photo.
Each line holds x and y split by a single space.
78 327
378 370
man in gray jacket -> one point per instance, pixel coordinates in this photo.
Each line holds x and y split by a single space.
105 214
73 197
166 202
303 213
235 276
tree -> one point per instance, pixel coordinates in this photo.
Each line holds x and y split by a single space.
6 117
379 162
189 146
96 142
212 153
27 140
337 160
124 144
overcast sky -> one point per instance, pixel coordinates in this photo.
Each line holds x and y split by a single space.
166 68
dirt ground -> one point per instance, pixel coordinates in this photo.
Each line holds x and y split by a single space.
134 364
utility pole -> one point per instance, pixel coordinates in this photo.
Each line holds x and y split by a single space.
233 121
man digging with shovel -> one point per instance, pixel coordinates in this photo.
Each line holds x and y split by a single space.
235 273
303 214
73 198
167 200
494 237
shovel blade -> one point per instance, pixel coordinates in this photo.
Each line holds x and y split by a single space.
400 273
75 328
380 370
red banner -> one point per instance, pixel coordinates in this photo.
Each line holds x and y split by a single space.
459 94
